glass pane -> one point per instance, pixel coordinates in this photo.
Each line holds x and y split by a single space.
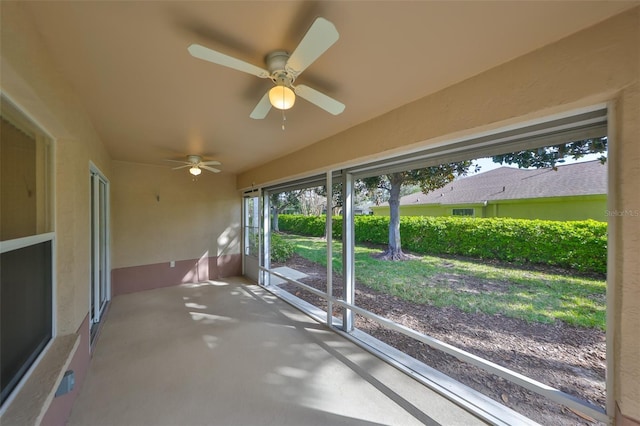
18 153
26 315
252 226
23 210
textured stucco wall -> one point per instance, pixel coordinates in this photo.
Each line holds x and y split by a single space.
30 78
160 215
599 64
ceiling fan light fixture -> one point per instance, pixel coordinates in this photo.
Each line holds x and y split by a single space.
195 170
282 97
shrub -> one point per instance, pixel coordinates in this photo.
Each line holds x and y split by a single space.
281 249
313 226
579 245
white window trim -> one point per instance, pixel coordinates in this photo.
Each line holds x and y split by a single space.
10 245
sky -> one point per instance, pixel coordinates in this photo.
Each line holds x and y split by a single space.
487 164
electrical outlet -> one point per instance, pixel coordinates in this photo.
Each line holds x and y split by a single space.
67 384
172 264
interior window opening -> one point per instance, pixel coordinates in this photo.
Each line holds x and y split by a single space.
501 256
26 249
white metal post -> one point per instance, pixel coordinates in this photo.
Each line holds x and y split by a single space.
329 231
348 247
245 233
265 232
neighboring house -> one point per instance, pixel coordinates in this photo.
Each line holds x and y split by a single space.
571 192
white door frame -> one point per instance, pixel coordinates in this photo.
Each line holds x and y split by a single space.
251 262
100 247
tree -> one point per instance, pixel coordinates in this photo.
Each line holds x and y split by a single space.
549 156
311 202
281 201
335 205
428 179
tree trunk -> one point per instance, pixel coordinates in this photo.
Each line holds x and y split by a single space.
274 219
394 252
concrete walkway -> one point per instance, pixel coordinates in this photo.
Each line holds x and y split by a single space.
230 353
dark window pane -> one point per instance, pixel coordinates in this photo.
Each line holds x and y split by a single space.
26 317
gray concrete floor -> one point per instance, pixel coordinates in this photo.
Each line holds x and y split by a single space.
229 353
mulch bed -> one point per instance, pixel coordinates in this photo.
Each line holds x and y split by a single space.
568 358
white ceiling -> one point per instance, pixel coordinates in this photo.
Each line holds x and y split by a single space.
150 100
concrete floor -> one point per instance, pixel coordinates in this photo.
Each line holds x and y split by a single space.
230 353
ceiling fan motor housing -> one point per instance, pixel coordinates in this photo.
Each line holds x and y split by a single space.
277 61
276 64
194 159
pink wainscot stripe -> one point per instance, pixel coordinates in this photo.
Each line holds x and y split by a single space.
60 408
147 277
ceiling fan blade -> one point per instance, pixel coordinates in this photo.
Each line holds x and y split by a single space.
315 42
211 169
262 109
211 55
319 99
177 161
181 167
210 163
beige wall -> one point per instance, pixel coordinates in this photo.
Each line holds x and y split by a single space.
30 79
600 64
19 189
160 215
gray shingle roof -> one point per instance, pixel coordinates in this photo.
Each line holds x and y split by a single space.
509 183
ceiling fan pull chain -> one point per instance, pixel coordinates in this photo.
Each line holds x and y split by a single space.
284 118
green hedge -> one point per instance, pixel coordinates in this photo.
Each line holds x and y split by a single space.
579 245
281 249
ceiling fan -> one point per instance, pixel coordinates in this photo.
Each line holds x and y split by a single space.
283 69
195 164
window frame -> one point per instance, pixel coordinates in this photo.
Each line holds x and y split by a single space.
589 122
464 210
23 120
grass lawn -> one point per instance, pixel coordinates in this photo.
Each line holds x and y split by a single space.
473 286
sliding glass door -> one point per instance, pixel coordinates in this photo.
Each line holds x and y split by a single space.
100 282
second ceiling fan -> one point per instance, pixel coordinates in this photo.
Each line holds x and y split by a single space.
195 164
283 69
